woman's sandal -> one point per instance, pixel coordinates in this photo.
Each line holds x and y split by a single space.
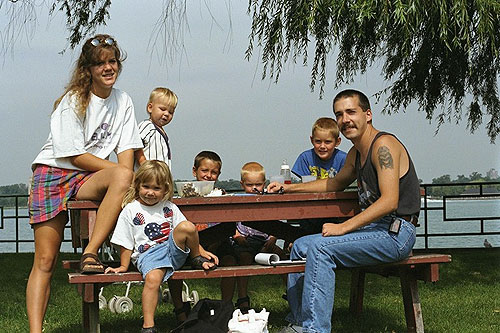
91 267
182 313
197 263
243 300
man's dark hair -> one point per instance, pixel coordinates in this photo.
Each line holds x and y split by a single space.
364 103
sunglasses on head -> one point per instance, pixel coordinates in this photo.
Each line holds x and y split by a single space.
96 41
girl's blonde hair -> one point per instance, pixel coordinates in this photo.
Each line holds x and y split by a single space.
151 170
81 79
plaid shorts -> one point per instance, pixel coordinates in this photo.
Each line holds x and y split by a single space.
51 188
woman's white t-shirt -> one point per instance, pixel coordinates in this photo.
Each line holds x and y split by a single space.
108 126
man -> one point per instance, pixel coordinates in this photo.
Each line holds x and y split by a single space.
389 196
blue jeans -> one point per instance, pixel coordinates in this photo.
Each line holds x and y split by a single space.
311 294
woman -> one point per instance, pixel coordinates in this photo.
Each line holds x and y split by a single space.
89 122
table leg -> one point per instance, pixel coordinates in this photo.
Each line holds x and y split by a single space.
357 291
411 301
90 308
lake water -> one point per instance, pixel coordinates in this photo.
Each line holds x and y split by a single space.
436 224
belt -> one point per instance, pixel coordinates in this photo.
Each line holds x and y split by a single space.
413 219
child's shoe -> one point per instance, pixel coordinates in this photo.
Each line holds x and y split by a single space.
149 330
182 313
244 309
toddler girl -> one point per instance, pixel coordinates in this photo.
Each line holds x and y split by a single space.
153 233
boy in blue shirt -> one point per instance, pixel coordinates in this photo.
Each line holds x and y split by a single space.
324 160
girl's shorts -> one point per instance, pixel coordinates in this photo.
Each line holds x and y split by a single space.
165 255
51 188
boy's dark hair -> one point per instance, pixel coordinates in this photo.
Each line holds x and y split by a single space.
364 103
207 154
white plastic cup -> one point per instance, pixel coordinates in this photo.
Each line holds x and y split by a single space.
279 179
308 178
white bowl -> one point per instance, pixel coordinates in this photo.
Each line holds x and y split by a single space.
194 188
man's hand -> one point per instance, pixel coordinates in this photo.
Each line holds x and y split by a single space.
276 187
333 229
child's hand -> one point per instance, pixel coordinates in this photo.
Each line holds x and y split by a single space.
120 269
269 244
240 240
209 255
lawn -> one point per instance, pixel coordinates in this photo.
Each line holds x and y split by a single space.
467 299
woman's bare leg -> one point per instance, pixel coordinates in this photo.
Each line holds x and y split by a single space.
48 237
150 296
109 186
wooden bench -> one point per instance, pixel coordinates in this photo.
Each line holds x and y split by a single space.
423 267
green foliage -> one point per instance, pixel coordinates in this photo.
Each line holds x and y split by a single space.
434 52
15 189
82 16
474 177
231 185
439 54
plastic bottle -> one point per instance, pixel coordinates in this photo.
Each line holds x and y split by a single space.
285 172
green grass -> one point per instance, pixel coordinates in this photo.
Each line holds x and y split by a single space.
467 299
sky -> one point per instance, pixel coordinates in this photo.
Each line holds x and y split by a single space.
224 105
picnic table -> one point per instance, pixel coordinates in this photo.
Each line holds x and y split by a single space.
233 208
265 209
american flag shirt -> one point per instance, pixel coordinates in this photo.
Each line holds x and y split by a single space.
141 227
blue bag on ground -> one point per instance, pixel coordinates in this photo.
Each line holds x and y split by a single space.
207 316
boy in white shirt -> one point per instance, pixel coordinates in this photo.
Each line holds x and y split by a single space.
161 107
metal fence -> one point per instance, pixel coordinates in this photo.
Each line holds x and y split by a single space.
13 222
475 191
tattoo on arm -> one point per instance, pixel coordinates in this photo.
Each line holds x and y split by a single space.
385 158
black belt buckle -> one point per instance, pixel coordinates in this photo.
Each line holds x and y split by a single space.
395 225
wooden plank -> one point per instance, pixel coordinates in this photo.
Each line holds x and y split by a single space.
269 207
250 270
231 208
425 260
